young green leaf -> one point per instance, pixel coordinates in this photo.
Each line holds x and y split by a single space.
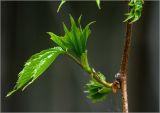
135 10
57 39
75 39
59 7
79 21
98 3
35 66
96 91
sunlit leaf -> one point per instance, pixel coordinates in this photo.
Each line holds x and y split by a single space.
35 66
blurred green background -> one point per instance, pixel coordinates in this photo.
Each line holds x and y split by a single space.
24 25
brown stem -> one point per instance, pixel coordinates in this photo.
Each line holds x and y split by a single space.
124 68
124 63
124 94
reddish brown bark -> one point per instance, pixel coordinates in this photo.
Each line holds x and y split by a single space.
124 68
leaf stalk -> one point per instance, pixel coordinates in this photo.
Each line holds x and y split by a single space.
90 71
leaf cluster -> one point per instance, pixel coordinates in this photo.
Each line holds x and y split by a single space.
73 42
96 91
75 39
136 7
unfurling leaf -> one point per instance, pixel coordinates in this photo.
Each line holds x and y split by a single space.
35 66
96 91
75 39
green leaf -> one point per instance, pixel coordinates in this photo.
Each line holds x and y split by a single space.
98 4
105 90
79 21
56 39
59 7
75 39
96 91
85 34
135 18
35 66
129 17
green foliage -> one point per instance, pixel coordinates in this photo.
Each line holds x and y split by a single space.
73 43
60 5
135 10
75 39
98 4
96 91
35 66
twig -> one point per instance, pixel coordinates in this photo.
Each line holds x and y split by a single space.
95 76
92 73
124 68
